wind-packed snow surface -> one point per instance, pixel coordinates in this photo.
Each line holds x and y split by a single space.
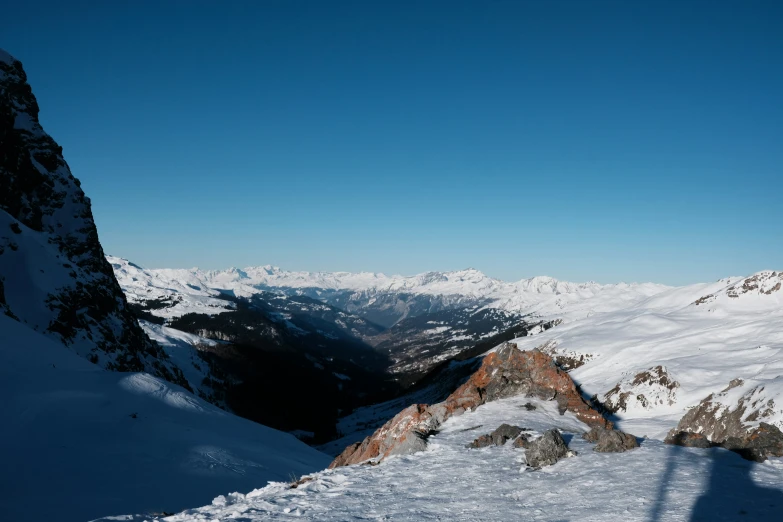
80 442
450 482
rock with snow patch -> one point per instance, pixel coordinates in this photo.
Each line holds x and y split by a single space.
500 436
546 450
610 441
744 417
645 390
506 372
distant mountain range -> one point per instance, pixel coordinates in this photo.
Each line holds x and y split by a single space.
387 299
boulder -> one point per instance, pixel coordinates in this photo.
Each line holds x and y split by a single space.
610 441
506 372
500 436
688 440
546 450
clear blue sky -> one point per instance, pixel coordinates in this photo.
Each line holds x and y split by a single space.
583 140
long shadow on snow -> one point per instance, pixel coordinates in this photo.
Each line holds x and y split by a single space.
733 495
730 495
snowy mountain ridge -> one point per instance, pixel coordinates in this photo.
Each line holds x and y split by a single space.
540 295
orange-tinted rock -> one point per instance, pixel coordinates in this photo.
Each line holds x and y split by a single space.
506 372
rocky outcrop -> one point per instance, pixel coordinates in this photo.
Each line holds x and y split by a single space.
500 436
610 441
506 372
546 450
741 418
55 276
566 360
646 390
763 283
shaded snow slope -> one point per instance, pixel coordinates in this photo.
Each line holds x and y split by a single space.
653 483
186 351
652 361
93 442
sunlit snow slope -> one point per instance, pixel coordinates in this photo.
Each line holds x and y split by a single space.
652 361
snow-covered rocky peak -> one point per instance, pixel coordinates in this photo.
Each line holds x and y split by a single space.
761 290
53 274
176 292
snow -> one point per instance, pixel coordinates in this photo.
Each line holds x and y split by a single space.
81 442
184 289
450 482
541 296
703 347
184 350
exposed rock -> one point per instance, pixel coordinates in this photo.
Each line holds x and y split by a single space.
529 407
610 441
482 441
523 441
645 390
500 436
735 419
546 450
57 279
688 440
507 372
505 432
762 283
565 360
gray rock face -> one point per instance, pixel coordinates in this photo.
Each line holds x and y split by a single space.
56 278
737 427
546 450
610 441
500 436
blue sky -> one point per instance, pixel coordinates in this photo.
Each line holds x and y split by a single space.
601 141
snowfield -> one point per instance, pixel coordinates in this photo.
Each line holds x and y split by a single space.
80 442
654 483
701 336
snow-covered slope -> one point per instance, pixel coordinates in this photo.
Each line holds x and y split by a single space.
81 442
170 293
649 362
653 360
653 483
